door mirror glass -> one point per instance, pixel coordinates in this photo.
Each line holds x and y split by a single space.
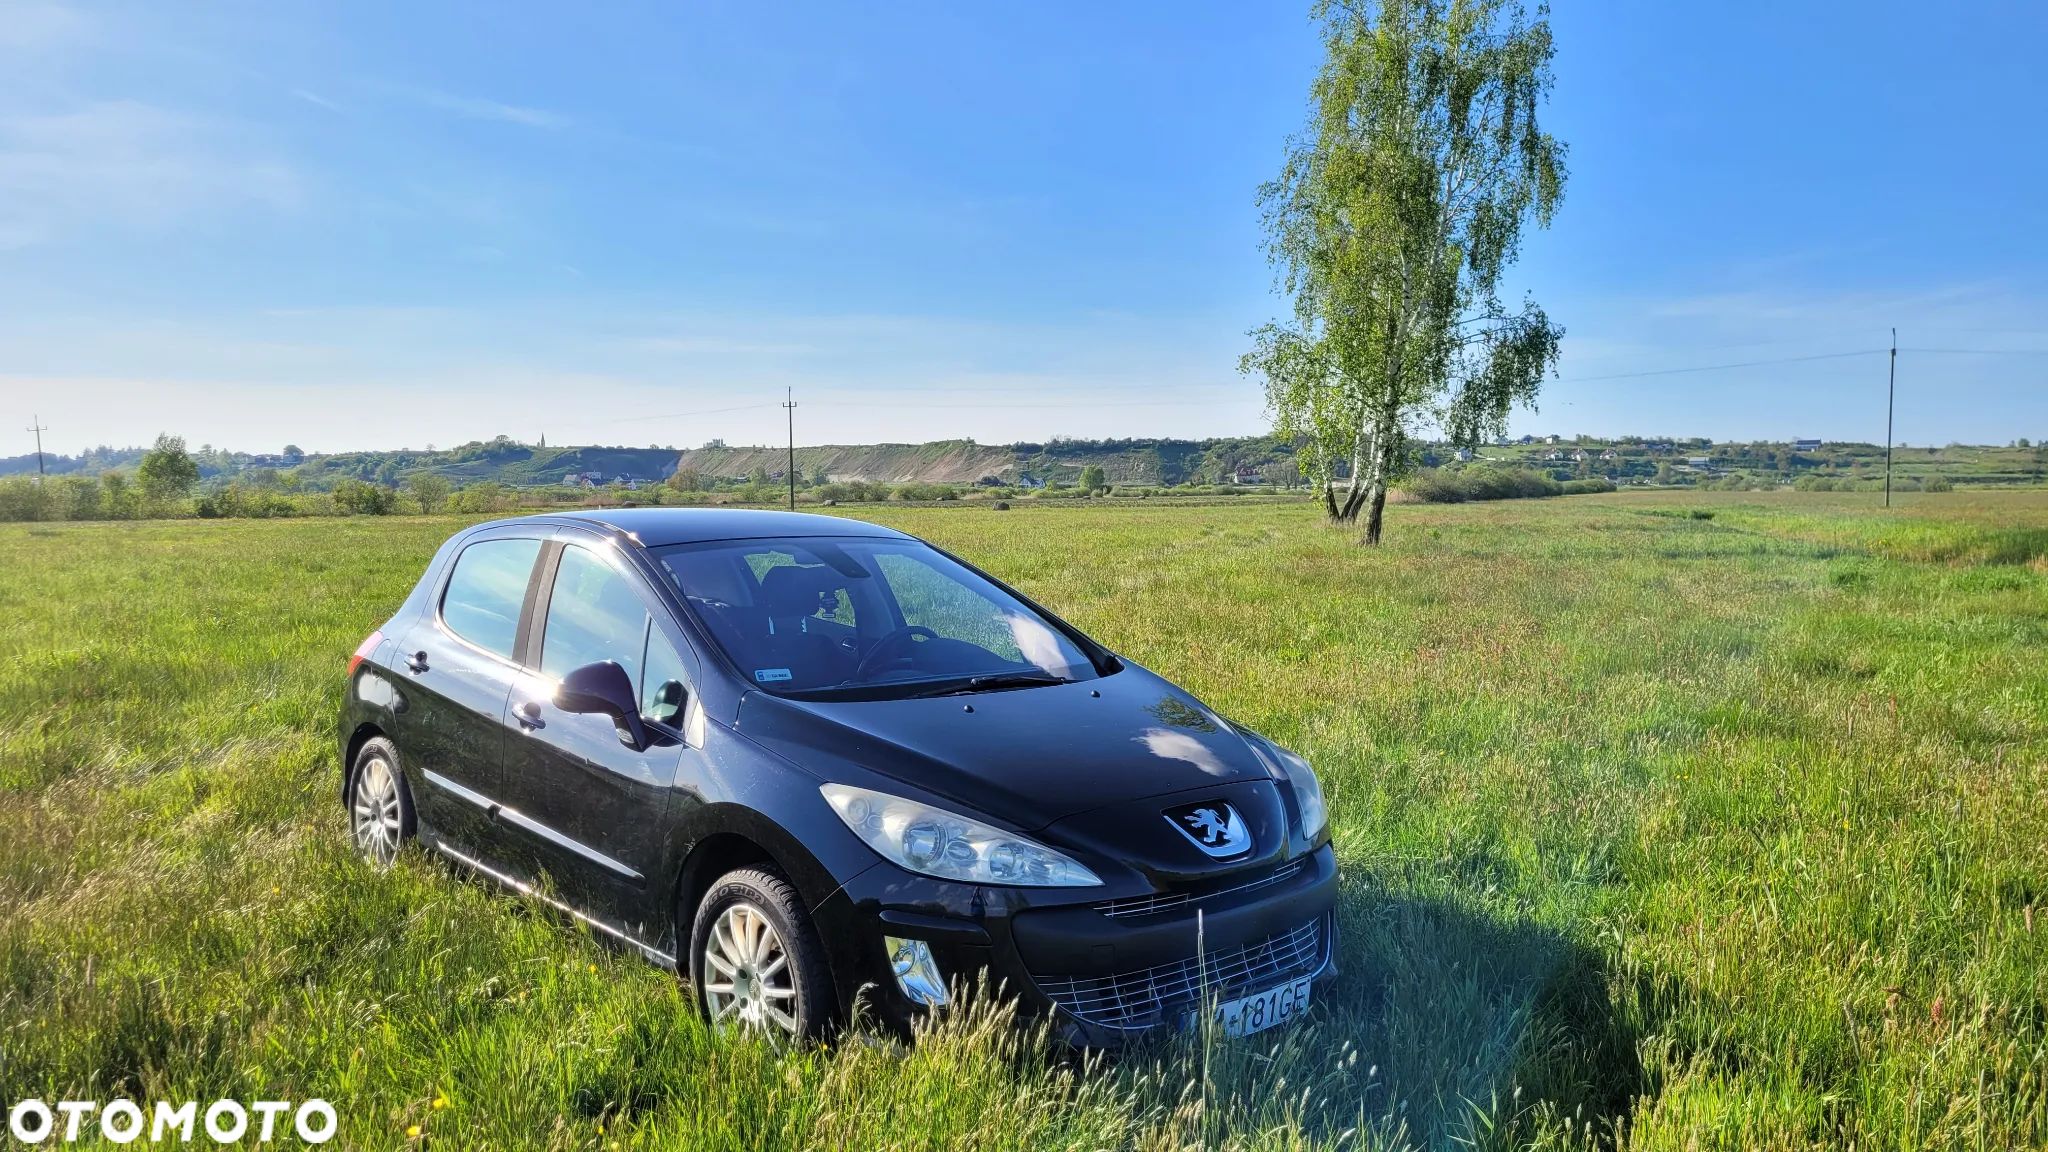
604 688
665 703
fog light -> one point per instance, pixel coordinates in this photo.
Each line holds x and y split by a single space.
916 972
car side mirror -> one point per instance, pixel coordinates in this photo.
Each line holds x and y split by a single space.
604 688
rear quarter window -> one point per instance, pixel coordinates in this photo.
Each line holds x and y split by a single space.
486 592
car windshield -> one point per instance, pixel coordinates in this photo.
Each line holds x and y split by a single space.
866 618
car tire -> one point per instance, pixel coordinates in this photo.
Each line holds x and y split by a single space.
755 958
380 811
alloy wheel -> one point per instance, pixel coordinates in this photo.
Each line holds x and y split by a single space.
747 978
375 816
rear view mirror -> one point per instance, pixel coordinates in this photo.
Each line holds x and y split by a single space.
604 688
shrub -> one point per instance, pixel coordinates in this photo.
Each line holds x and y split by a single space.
485 497
1435 486
365 499
923 491
21 498
1937 484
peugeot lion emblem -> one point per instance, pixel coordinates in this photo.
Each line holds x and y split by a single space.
1213 826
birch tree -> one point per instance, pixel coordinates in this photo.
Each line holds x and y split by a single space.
1397 209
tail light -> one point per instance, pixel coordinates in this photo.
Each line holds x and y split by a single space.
363 651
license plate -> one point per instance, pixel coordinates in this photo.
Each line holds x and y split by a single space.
1262 1010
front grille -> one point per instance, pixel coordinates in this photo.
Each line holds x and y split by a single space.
1149 996
1161 901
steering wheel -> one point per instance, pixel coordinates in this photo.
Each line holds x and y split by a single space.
889 643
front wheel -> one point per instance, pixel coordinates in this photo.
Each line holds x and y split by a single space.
755 959
380 815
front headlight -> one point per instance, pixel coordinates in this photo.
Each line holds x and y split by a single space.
1308 791
939 843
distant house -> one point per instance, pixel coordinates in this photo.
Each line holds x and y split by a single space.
1247 475
1610 454
1553 438
1464 453
1027 480
1700 461
1579 456
1806 445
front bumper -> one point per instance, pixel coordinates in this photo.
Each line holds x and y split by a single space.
1103 970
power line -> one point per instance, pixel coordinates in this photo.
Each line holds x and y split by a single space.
680 415
1980 351
1161 402
1722 367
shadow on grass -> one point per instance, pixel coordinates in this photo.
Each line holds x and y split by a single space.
1484 1029
1451 1027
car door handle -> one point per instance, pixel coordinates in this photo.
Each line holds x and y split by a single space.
527 712
417 662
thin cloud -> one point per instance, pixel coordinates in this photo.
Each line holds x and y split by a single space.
130 164
476 108
41 27
315 99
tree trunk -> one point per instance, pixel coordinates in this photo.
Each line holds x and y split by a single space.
1372 521
1353 500
1375 492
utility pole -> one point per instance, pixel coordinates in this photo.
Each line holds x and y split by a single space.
35 425
789 406
1890 389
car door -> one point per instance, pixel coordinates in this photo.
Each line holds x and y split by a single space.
458 662
592 807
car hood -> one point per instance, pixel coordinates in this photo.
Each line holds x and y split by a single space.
1026 757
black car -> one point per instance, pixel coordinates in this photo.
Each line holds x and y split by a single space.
806 759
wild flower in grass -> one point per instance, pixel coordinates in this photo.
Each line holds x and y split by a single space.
440 1102
412 1132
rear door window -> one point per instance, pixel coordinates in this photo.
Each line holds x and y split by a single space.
487 592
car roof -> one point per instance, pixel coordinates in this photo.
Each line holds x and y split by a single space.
656 527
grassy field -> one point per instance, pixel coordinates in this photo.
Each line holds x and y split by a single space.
1668 821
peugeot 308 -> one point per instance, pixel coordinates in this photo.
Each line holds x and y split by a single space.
804 759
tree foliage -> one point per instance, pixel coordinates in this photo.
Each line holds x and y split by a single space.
365 499
430 489
1391 221
167 471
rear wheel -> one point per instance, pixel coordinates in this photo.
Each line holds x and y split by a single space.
755 958
380 816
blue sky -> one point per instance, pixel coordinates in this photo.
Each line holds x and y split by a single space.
373 225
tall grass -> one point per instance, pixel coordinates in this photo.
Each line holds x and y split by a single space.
1658 832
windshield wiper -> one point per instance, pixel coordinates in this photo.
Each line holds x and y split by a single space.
991 682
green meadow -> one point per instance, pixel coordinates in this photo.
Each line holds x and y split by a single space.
1668 821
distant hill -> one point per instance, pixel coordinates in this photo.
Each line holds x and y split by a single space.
500 460
964 461
1132 462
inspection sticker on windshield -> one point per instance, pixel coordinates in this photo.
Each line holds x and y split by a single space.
1263 1010
766 675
